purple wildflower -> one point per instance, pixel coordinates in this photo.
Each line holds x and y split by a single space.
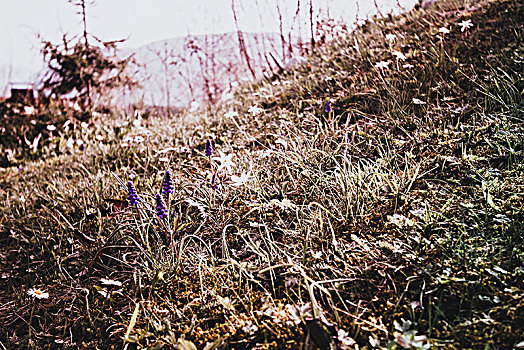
214 184
132 195
209 148
328 107
163 236
167 184
161 210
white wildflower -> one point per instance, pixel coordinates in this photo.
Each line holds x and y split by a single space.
382 65
390 37
465 25
344 337
226 302
374 342
399 55
51 127
444 30
250 328
400 221
240 180
29 110
255 110
138 121
109 282
38 293
226 162
418 102
231 114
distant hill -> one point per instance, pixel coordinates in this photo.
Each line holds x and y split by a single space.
180 70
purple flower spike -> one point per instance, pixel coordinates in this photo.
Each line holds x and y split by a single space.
161 210
167 185
131 194
209 148
328 107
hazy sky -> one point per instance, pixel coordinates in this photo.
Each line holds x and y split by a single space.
141 22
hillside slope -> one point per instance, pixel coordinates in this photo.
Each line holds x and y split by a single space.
370 198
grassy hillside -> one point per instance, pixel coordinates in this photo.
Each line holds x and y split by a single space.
369 198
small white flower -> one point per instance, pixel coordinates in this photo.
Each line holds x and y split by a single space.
399 55
38 293
99 137
108 282
418 102
400 221
139 139
382 65
374 342
84 125
240 180
51 127
128 139
231 114
226 162
408 66
390 37
226 303
255 110
465 25
29 110
250 328
138 121
344 337
444 30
